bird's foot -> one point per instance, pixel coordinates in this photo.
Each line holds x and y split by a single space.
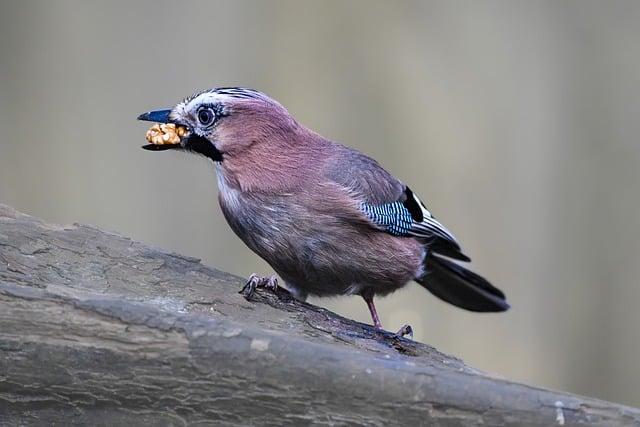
255 281
405 331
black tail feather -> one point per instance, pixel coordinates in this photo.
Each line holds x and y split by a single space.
461 287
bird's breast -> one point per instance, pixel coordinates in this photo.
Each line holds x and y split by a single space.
262 220
229 196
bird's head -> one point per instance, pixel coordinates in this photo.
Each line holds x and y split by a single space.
222 122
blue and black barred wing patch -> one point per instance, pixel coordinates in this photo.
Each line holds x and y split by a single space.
408 217
391 217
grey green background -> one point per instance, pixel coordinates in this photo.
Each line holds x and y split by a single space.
516 121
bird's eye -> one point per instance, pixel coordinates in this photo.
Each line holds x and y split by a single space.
205 116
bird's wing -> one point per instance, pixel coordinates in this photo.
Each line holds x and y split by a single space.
408 216
389 204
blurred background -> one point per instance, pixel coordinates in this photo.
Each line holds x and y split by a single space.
517 122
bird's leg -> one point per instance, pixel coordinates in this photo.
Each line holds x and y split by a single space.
255 281
367 295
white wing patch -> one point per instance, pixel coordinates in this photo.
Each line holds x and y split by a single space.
429 225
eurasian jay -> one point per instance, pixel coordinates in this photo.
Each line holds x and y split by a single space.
327 218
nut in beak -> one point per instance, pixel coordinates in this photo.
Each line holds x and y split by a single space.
165 134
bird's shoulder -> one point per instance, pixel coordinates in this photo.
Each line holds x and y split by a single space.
362 175
386 202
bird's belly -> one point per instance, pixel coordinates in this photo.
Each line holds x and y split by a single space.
335 264
322 255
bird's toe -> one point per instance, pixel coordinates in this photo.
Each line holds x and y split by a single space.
405 331
254 282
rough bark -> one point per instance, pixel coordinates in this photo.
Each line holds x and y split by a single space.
97 329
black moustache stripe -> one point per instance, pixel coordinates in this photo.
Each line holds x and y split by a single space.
203 146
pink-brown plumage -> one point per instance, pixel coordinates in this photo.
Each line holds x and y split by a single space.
327 218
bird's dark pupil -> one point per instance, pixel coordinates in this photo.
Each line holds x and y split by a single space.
205 116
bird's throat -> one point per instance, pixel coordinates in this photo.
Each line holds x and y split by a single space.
201 145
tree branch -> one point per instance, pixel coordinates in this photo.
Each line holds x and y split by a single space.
97 329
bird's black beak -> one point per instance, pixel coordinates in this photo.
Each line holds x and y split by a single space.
190 142
158 116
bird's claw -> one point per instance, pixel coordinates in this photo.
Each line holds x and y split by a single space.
405 331
254 282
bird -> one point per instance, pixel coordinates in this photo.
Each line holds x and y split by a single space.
327 218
